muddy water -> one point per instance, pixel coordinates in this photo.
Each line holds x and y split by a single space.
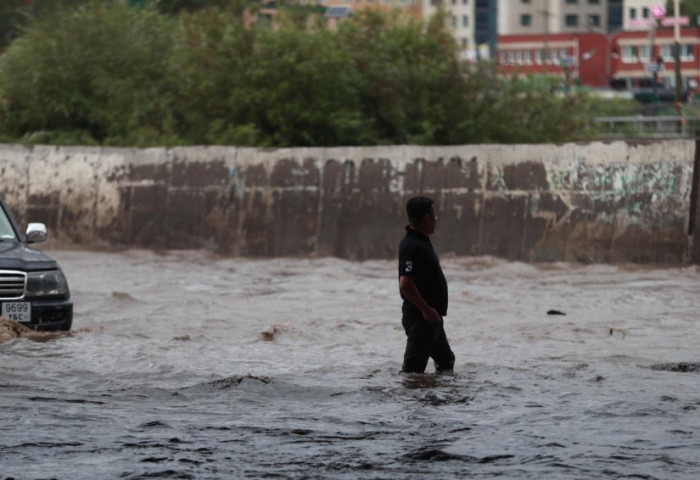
193 366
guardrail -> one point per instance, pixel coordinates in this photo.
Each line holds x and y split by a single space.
648 127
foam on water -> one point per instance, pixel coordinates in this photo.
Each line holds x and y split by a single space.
187 365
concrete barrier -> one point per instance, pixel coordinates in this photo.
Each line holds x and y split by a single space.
596 202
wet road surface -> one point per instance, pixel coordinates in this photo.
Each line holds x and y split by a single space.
188 365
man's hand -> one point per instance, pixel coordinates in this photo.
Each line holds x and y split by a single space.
431 315
408 287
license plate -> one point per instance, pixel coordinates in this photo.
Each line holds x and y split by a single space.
17 311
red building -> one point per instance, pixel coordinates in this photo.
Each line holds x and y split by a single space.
580 55
625 59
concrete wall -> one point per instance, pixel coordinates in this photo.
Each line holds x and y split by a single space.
612 202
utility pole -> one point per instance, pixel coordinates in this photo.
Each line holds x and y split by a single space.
545 17
677 52
546 32
652 57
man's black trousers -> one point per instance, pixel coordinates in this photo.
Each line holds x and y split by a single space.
425 340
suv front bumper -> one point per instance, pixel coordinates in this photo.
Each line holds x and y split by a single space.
51 315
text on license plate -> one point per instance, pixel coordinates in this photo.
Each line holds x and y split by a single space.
17 311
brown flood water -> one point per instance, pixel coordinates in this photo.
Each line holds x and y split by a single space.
188 365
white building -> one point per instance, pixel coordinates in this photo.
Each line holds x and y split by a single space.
541 17
461 17
637 14
551 16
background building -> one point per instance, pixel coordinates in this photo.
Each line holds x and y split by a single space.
615 15
486 26
411 7
597 43
461 15
576 57
551 16
637 14
626 60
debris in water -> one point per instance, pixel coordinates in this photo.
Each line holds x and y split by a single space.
237 380
269 334
620 332
683 367
123 296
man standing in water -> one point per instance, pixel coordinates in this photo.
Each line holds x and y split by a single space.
424 292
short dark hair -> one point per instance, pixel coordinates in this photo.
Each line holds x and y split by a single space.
418 207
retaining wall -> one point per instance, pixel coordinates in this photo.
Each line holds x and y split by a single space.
597 202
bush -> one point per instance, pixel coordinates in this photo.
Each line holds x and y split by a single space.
101 69
108 74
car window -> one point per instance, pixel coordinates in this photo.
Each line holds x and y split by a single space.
6 231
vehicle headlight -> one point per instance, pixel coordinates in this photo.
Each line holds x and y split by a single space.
47 284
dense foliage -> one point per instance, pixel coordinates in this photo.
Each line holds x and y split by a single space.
108 73
689 8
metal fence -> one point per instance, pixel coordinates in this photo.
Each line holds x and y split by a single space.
648 127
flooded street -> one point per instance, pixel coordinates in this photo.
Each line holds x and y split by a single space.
188 365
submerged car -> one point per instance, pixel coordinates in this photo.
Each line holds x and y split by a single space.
33 289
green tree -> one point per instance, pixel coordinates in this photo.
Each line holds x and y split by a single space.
409 78
96 74
14 14
106 73
522 109
289 86
689 8
11 18
212 52
178 6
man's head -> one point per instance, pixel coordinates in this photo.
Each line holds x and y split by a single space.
421 214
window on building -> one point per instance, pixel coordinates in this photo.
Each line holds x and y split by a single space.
526 20
538 57
668 53
454 2
465 2
526 1
572 2
465 43
633 13
593 2
465 20
527 57
615 15
645 12
571 20
687 53
594 20
644 53
548 57
454 21
630 54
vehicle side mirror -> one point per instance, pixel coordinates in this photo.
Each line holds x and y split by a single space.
36 233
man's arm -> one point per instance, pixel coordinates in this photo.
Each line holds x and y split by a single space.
408 287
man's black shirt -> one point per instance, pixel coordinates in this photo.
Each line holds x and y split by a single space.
418 260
